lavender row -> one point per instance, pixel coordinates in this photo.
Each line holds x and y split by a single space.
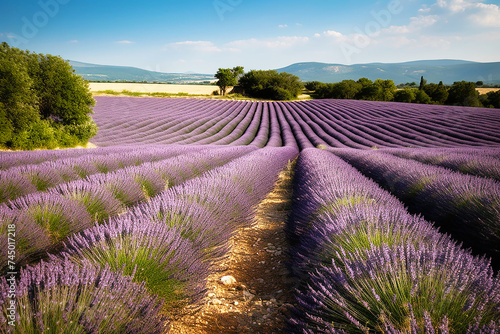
44 219
20 158
169 242
303 124
63 297
366 265
466 206
12 159
26 179
480 162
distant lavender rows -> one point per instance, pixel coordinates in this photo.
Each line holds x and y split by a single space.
303 124
366 265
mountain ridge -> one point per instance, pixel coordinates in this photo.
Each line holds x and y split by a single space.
446 70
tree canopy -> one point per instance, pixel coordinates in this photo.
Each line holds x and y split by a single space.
461 93
43 103
228 77
271 85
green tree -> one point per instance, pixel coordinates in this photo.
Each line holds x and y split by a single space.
369 91
346 89
386 91
313 85
405 95
271 85
422 97
494 99
423 82
41 101
438 93
228 77
18 102
463 93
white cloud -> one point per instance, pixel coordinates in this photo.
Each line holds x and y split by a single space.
124 42
199 46
335 35
486 15
74 41
283 26
416 25
280 42
474 12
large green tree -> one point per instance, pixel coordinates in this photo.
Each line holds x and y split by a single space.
438 93
228 77
463 93
43 103
386 90
271 85
18 102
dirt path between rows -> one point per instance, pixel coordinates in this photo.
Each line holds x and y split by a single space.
261 294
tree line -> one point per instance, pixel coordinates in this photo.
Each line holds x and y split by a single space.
461 93
260 84
43 103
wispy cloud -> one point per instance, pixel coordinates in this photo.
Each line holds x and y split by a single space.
198 46
280 42
124 42
283 26
74 41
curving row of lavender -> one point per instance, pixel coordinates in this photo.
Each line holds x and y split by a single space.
24 179
160 247
303 124
483 162
366 265
466 206
44 218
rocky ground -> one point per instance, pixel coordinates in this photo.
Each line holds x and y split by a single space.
250 290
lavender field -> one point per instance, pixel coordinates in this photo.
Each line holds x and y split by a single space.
394 223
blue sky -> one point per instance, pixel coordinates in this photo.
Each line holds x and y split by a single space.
204 35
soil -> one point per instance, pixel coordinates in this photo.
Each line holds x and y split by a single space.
258 293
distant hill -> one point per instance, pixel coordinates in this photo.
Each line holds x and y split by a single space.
445 70
93 72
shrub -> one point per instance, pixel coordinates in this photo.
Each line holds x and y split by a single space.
271 85
43 103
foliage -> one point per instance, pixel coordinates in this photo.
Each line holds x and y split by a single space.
346 89
313 85
271 85
228 77
422 97
463 93
386 90
438 93
43 103
494 99
405 95
460 93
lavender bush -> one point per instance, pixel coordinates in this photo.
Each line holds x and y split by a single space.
169 265
62 297
481 162
466 206
367 265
